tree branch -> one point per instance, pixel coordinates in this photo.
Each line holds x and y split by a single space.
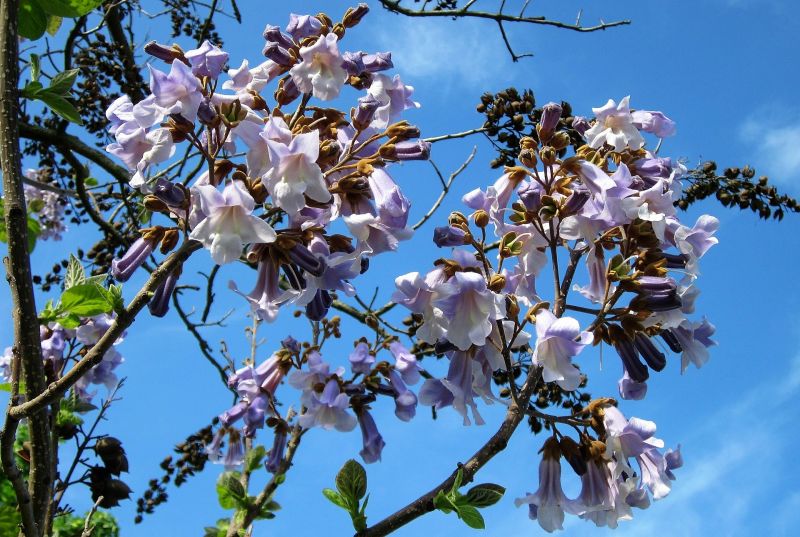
124 319
27 349
67 141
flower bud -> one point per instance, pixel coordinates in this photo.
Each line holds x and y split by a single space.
380 61
159 303
207 114
172 194
559 141
319 305
162 52
170 240
353 15
497 282
123 268
287 91
273 34
448 236
363 113
548 155
580 124
481 218
278 54
551 113
402 151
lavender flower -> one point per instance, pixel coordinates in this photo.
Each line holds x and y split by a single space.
559 339
208 60
321 72
372 439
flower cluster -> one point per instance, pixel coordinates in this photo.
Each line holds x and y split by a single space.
304 169
58 349
330 400
610 487
610 206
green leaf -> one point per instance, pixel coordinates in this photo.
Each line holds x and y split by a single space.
32 19
75 274
63 82
254 457
91 181
230 491
86 300
36 69
351 481
443 503
31 90
457 482
34 230
60 106
69 8
483 495
471 517
54 24
335 498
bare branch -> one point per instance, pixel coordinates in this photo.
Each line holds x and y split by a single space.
445 187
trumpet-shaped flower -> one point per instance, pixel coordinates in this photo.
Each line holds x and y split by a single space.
229 223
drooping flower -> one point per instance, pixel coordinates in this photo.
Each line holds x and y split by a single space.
558 340
371 437
549 503
653 122
229 223
208 60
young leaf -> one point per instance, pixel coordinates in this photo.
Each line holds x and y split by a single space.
351 481
230 491
60 106
254 457
335 498
54 24
86 300
34 230
62 82
443 503
471 517
483 495
75 275
35 68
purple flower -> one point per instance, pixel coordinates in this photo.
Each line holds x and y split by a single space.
558 340
208 60
448 236
266 297
328 410
551 113
629 389
295 172
395 97
123 268
159 304
459 381
404 399
380 61
361 359
549 501
302 26
393 206
470 309
614 126
694 339
365 111
405 363
372 439
653 122
276 453
177 92
416 150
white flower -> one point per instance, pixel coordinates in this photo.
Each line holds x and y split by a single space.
614 126
321 72
295 172
229 224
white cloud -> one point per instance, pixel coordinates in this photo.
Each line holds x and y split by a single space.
453 53
773 137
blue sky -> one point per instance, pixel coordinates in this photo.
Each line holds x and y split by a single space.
726 72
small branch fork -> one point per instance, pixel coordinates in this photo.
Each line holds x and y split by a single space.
500 17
